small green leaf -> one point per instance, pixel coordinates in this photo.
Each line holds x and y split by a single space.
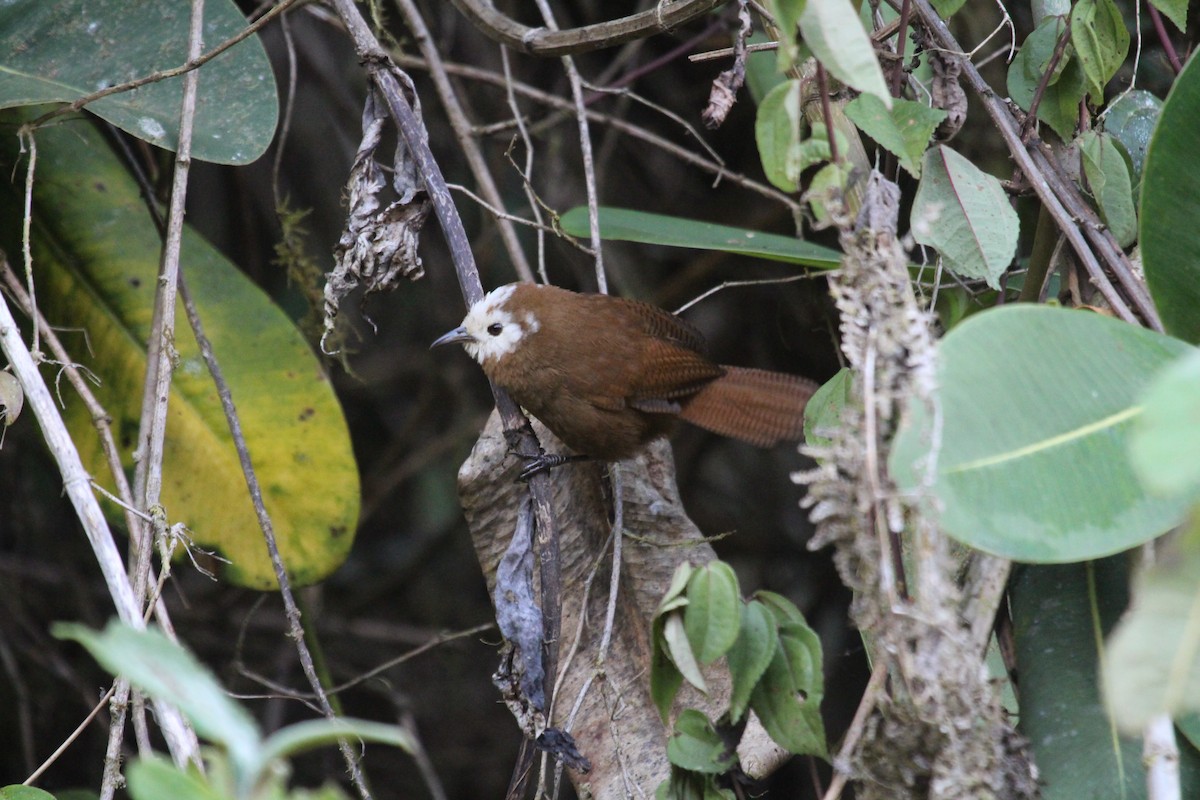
1153 655
1166 437
1130 119
695 745
165 671
155 778
1108 177
829 182
778 127
42 45
824 410
964 214
1026 482
1101 42
680 650
1174 10
1059 107
904 130
713 613
637 226
784 610
792 721
787 17
750 655
302 736
833 32
679 582
946 8
665 677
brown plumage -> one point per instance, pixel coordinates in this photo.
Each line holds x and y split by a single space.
608 375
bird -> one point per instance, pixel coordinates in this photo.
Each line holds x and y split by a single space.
608 375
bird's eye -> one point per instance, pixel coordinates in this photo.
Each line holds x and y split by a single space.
495 329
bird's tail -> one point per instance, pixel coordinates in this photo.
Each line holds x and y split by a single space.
753 405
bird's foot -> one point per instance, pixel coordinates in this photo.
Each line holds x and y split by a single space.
544 462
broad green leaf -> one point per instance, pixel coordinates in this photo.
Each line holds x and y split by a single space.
685 784
637 226
778 131
761 75
696 745
1153 663
1037 404
750 655
1170 206
792 720
832 30
787 17
1101 41
823 413
96 258
665 677
784 610
165 671
964 214
713 611
1165 443
679 648
18 792
1189 726
1108 177
61 50
903 131
1059 107
155 778
946 8
1130 119
303 736
829 183
1174 10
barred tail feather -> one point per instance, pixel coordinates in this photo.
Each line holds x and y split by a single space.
753 405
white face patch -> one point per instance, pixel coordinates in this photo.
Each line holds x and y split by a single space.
494 331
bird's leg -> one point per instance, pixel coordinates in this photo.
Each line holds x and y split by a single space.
536 462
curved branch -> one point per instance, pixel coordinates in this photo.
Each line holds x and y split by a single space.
542 41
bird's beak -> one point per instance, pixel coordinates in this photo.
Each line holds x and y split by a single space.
459 334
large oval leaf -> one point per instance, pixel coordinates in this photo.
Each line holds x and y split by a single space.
1037 404
96 257
1170 237
61 50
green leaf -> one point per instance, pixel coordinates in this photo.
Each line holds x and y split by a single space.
1101 42
302 736
1170 206
1166 437
44 41
679 648
695 745
823 413
829 182
1174 10
165 671
19 792
794 722
637 226
784 610
1153 663
750 655
679 582
903 131
1189 726
1037 404
946 8
787 17
833 32
12 398
778 129
665 677
96 257
964 214
1059 107
761 75
713 613
155 778
1108 176
1130 119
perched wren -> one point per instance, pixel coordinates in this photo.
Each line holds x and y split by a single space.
608 375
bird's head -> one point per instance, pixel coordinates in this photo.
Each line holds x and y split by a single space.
496 325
